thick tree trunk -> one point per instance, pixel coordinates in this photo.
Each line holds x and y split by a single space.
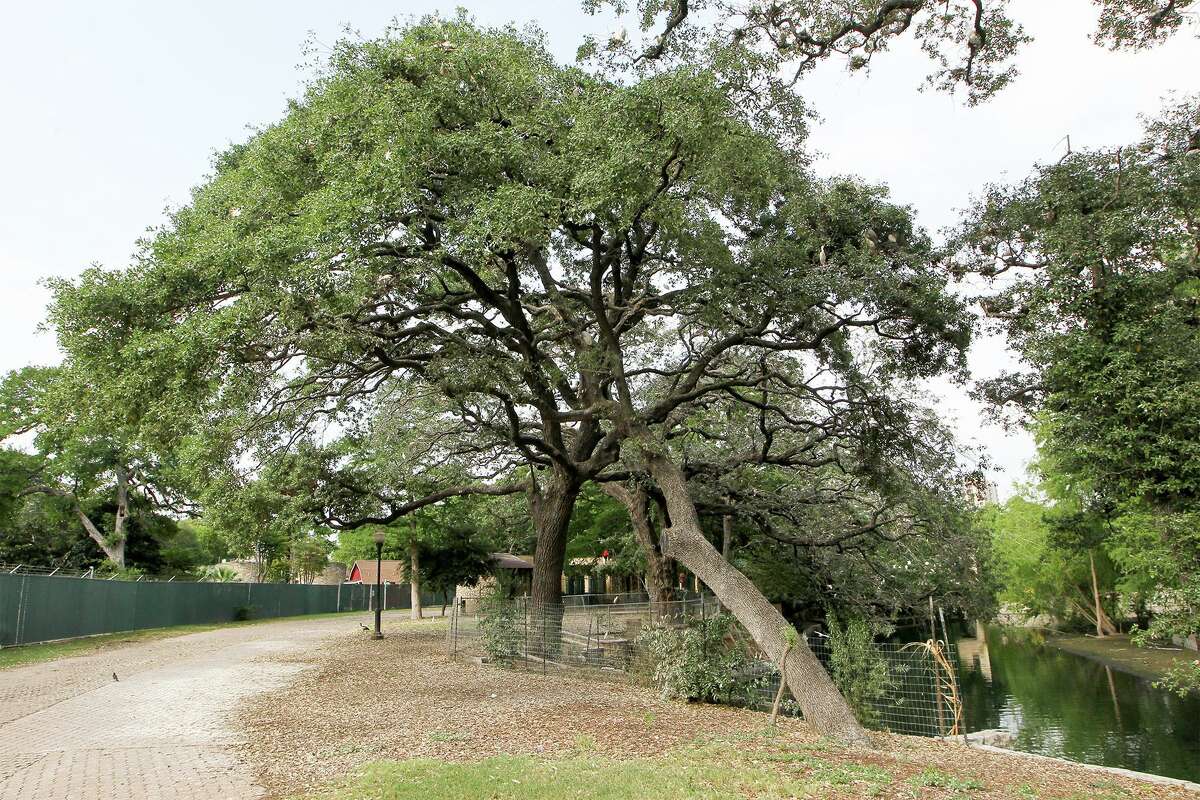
551 507
113 546
114 550
659 583
118 537
822 704
414 577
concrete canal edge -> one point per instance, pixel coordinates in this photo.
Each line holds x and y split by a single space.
1158 780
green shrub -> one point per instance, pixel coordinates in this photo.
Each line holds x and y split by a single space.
499 623
697 662
857 667
217 573
1182 679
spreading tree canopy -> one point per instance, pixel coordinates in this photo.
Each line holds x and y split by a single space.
1096 265
574 266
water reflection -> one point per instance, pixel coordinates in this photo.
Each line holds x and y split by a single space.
1060 704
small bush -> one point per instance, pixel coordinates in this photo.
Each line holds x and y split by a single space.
696 662
1182 679
858 668
217 573
499 621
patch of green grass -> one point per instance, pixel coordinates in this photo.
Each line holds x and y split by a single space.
845 774
35 653
712 769
827 772
935 778
594 778
1102 790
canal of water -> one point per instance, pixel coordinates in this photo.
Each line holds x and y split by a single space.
1059 704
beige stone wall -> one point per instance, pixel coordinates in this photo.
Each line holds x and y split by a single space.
332 576
470 594
247 571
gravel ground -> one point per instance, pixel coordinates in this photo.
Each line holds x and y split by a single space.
358 700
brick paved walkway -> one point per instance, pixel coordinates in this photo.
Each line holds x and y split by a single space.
163 730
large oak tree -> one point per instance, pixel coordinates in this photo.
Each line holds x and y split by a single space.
573 265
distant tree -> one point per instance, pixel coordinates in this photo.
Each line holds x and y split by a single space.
199 537
1100 295
456 558
267 515
309 556
1095 261
86 453
1040 576
36 529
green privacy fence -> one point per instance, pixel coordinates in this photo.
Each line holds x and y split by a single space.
40 608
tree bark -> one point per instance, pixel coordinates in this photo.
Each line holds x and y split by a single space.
1100 615
414 577
822 704
659 584
114 551
113 546
551 506
122 515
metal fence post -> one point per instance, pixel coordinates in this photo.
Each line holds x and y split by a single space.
543 641
22 602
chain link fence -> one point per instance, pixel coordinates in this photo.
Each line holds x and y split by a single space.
691 649
94 573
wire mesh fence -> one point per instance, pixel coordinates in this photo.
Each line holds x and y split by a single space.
911 691
691 649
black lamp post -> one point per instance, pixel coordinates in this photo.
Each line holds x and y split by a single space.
378 536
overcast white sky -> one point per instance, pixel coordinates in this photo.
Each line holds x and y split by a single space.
111 112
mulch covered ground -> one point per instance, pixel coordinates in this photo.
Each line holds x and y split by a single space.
402 697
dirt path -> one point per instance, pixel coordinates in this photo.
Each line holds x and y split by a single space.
162 728
402 697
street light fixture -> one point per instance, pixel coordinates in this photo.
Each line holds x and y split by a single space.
378 536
